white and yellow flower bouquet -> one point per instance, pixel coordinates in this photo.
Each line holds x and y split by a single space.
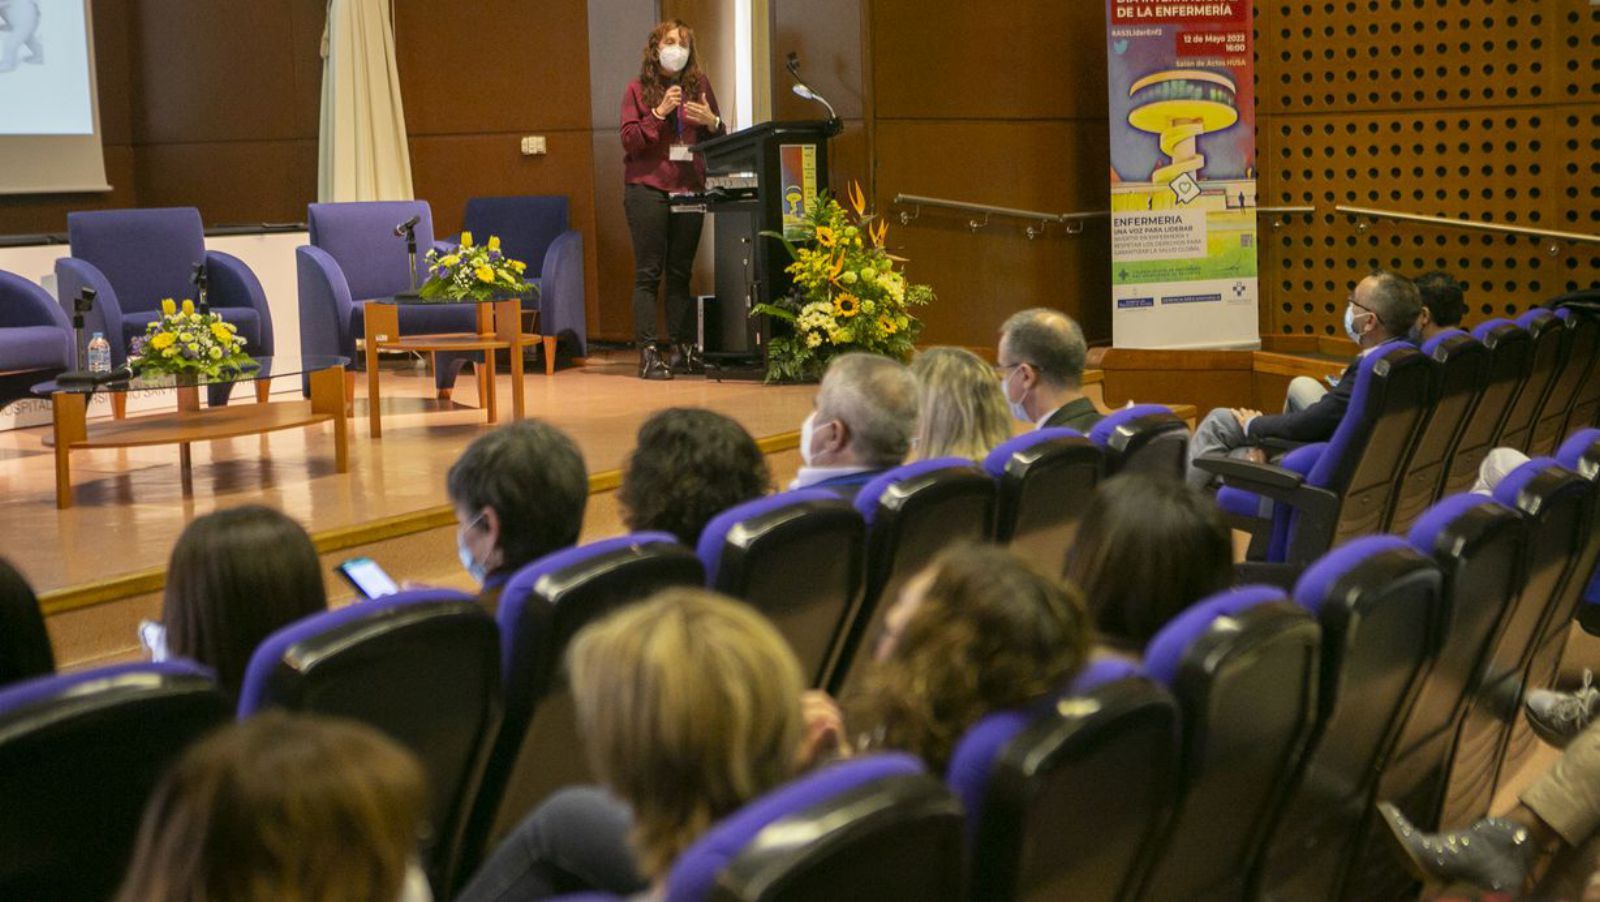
183 340
473 272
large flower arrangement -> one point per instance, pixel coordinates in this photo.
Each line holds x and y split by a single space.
473 272
848 295
185 341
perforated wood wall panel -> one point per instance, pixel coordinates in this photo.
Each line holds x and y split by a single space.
1471 109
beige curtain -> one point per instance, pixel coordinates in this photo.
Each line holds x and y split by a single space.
362 152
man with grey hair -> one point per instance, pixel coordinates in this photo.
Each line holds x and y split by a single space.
1040 359
1383 308
861 423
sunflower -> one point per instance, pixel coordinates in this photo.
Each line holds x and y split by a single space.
846 305
887 325
825 236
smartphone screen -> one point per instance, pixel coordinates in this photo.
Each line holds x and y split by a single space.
368 578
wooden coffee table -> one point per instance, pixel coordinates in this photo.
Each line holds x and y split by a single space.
499 328
190 422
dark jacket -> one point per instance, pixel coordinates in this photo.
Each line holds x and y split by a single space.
849 485
1080 414
1317 422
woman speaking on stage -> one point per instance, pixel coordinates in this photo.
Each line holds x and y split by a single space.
667 109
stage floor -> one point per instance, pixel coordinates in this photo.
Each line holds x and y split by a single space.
129 505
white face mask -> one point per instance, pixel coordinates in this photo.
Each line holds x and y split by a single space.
1017 410
674 57
1350 323
468 562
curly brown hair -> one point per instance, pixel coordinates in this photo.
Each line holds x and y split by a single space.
690 464
992 632
654 80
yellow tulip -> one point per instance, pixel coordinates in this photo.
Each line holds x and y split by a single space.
494 242
484 273
188 306
162 340
168 308
466 239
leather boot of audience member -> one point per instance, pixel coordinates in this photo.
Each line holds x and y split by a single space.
1493 854
687 359
651 366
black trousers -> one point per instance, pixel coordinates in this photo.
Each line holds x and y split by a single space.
664 242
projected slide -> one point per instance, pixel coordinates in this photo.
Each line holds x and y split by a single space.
44 68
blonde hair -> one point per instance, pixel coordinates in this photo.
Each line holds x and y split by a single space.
962 409
689 705
282 808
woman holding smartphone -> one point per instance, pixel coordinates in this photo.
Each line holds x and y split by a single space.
669 108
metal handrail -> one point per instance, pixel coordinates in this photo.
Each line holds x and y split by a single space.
1073 221
1469 224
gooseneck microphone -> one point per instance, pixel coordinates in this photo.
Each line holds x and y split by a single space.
404 227
803 90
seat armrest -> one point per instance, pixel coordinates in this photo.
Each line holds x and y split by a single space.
1270 480
234 285
72 276
325 304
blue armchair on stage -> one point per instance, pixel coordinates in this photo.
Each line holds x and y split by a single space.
35 337
535 230
135 258
354 256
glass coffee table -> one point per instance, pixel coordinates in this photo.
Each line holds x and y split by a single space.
190 422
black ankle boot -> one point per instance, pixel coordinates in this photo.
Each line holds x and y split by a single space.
651 366
686 358
1493 854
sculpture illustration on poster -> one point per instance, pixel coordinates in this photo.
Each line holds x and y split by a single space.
1183 187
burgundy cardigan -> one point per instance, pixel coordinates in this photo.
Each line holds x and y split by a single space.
647 143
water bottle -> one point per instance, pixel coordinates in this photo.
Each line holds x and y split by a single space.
99 354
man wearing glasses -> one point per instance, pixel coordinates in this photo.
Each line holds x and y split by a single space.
1383 308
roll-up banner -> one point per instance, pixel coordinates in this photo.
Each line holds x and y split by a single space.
1183 167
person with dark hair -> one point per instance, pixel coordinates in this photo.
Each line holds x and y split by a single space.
519 493
236 576
284 807
1147 549
24 644
980 630
669 108
1040 359
689 465
1444 304
1382 308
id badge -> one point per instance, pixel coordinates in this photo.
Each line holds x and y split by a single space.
680 153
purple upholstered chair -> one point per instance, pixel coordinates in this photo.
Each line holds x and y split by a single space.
797 557
1581 349
1243 666
1564 539
1581 454
1451 735
80 755
1584 410
912 513
1510 358
1549 335
1328 492
534 229
1046 478
134 259
35 337
1144 438
1461 370
355 257
1378 600
1067 800
541 608
422 666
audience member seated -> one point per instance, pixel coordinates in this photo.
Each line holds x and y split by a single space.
690 706
1383 308
236 577
282 807
962 410
1552 831
1148 548
1040 359
861 424
24 644
1444 305
519 494
689 464
978 631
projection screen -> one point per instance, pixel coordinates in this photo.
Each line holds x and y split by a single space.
49 112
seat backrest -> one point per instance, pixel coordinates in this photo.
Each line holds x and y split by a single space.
1548 334
1461 368
912 513
1377 599
1243 666
360 237
1046 478
1066 801
876 827
80 755
798 558
542 607
1582 342
1585 408
25 650
1580 453
525 224
146 255
1144 438
422 666
1510 356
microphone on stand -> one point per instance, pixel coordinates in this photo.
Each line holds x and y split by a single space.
405 227
803 90
201 283
81 306
409 230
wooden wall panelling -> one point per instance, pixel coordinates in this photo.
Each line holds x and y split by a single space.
1205 379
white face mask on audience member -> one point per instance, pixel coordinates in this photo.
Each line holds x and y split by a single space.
470 561
1018 410
808 434
1351 329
